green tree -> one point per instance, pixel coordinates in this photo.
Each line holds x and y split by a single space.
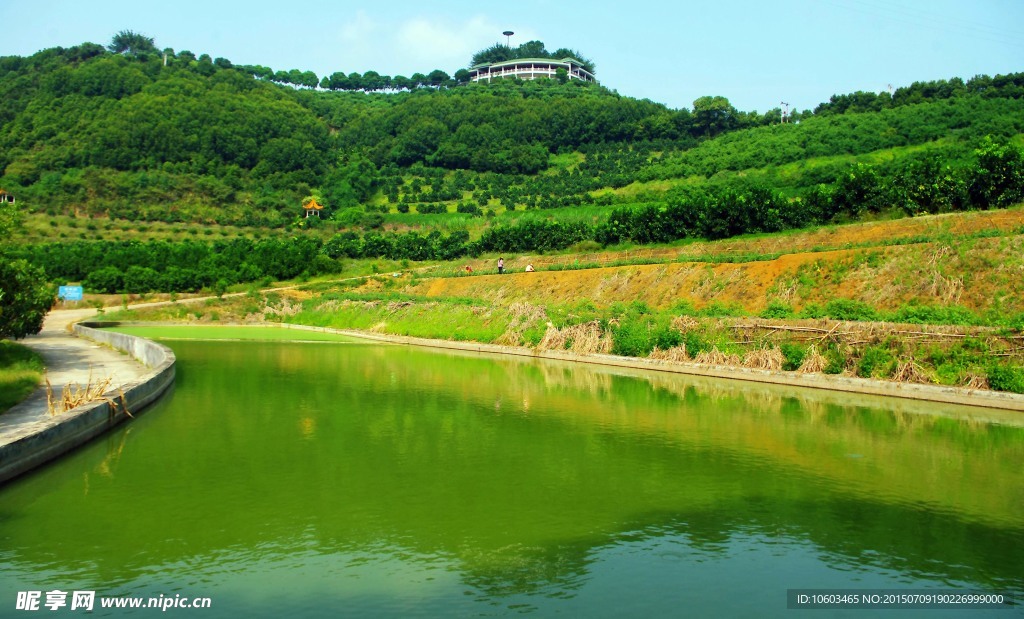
998 177
25 296
108 279
437 77
713 115
350 182
532 49
10 219
495 53
131 43
859 189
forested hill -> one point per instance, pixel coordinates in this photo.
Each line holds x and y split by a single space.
174 137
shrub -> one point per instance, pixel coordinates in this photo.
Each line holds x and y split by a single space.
935 314
695 344
105 280
1005 377
848 309
631 338
468 208
636 336
794 355
835 361
665 337
684 308
717 309
372 220
777 309
141 279
639 307
875 361
431 209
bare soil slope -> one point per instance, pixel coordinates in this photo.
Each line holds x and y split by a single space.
975 260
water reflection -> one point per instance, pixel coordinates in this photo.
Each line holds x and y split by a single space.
460 480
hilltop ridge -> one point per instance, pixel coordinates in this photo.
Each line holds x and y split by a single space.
100 146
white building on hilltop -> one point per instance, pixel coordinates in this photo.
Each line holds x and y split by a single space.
530 69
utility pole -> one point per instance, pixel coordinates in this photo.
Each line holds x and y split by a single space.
785 112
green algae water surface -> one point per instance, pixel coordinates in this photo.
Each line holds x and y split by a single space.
358 479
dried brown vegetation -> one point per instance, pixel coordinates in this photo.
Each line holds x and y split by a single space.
581 339
74 395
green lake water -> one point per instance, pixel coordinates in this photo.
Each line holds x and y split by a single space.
359 479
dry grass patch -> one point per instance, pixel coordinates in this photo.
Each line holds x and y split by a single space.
908 371
684 323
74 395
976 381
814 362
676 354
521 316
582 339
717 357
765 359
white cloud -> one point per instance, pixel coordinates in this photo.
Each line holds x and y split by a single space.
446 44
416 44
360 30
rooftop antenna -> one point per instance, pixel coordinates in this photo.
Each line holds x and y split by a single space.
785 112
508 37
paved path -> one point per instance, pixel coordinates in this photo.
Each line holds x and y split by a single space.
68 360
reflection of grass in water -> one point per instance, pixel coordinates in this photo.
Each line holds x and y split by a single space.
883 447
896 449
618 466
517 569
810 431
232 333
889 449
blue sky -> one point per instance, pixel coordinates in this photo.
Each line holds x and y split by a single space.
756 54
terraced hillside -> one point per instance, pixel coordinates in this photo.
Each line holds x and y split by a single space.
936 299
971 260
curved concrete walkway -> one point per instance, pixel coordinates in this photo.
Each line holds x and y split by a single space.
69 360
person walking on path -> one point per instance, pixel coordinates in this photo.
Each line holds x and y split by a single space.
501 266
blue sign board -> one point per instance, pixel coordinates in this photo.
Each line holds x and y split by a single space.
69 293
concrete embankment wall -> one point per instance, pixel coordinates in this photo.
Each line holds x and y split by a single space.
997 400
79 425
941 394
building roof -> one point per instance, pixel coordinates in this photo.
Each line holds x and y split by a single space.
312 204
504 63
